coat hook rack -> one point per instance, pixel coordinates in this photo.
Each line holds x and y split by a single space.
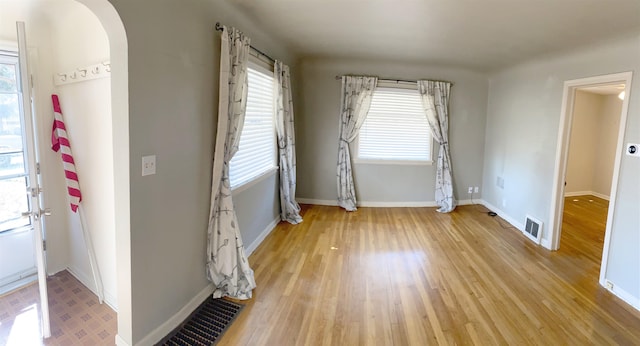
81 74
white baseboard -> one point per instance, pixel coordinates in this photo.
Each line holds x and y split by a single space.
329 202
120 341
546 243
109 298
624 295
586 193
411 204
263 235
503 215
174 321
374 204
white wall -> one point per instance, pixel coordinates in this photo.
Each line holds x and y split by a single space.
522 134
78 41
173 76
317 134
583 144
606 148
592 148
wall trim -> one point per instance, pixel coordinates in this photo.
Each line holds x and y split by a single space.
378 204
329 202
518 225
120 341
174 321
586 193
262 236
622 294
109 298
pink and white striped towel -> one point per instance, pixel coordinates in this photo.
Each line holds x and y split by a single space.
60 142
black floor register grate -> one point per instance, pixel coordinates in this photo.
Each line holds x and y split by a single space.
206 325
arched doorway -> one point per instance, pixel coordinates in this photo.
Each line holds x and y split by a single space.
117 141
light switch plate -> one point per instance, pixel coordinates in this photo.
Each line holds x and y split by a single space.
148 165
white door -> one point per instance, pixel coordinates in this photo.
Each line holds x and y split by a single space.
34 183
17 255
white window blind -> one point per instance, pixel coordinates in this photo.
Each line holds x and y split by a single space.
257 152
396 127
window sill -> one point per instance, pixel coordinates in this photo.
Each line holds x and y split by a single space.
392 162
266 174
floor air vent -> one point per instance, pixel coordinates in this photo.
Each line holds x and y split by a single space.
533 229
206 325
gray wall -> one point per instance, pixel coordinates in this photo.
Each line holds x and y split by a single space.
173 96
522 134
317 133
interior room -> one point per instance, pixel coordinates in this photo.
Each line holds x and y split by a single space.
591 159
366 258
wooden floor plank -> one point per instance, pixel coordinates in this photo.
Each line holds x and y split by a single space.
413 276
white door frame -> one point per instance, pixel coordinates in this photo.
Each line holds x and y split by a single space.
562 150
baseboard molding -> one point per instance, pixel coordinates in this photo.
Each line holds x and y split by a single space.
469 201
120 341
109 298
624 295
263 235
546 243
174 321
412 204
374 204
586 193
503 215
329 202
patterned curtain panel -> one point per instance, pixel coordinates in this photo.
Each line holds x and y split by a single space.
289 208
227 265
356 99
435 100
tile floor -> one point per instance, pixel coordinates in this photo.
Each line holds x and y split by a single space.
76 316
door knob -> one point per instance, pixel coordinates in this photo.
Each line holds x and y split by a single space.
41 212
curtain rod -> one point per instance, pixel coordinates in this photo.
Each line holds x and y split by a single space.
219 28
403 80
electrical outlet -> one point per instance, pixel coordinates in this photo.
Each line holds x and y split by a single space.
148 165
476 189
504 203
470 189
608 285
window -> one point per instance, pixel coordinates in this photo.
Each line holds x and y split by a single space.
13 170
257 152
396 128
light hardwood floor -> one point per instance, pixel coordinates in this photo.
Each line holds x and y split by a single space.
412 276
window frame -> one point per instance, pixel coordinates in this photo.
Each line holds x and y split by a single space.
257 64
380 161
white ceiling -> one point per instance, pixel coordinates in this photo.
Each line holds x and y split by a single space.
478 34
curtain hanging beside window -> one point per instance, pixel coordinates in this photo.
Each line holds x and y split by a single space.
356 99
435 100
227 265
289 208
